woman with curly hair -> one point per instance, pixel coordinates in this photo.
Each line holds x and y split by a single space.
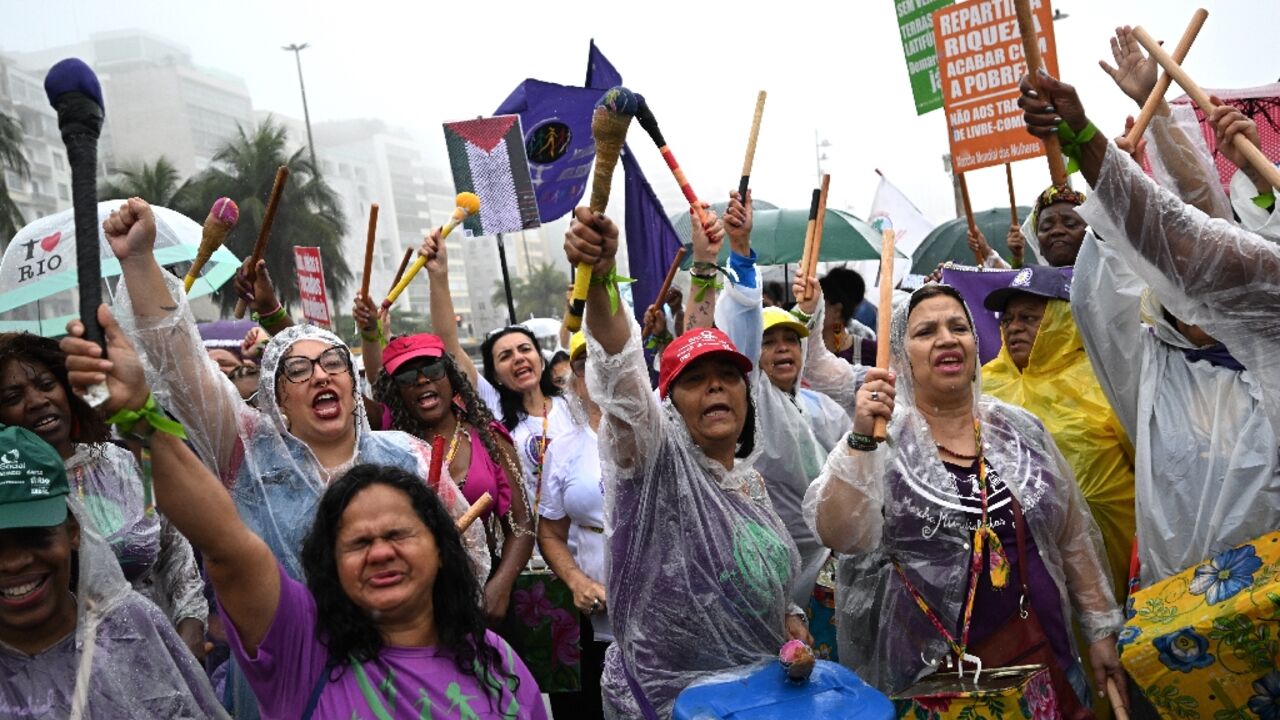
424 393
35 394
387 623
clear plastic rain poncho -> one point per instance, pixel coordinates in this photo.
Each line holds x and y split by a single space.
1204 433
905 507
797 431
273 477
154 556
700 566
1059 387
124 657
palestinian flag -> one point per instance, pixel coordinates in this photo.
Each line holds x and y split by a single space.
487 156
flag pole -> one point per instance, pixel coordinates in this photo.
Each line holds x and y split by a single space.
506 280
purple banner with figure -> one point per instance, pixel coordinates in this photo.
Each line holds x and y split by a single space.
556 120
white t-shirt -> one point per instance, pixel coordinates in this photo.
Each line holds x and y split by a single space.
527 434
572 486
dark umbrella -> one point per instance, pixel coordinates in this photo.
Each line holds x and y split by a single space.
950 240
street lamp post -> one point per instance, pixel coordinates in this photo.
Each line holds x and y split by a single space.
297 49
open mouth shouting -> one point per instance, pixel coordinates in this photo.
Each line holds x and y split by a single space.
428 400
326 405
950 362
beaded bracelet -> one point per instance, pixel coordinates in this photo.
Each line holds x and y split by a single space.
801 315
860 442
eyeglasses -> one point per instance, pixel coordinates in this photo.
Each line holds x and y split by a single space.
299 368
432 371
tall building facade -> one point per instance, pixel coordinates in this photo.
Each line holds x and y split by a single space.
48 189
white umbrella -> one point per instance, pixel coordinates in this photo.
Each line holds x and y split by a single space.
38 287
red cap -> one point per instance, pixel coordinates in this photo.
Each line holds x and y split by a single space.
408 347
695 345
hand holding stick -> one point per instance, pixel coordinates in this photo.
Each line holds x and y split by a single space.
264 232
609 123
884 319
1201 98
751 145
467 204
1162 84
1031 50
661 298
368 249
1117 704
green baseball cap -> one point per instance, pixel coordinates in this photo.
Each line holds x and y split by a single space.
33 481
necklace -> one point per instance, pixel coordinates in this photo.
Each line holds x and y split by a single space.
949 451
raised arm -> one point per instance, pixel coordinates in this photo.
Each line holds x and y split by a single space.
739 312
631 426
443 321
240 565
707 238
155 312
369 326
845 504
823 371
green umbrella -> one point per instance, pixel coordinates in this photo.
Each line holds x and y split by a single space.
778 237
950 240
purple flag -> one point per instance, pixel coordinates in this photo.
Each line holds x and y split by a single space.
974 286
652 242
557 138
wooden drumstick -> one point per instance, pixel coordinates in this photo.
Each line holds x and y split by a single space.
368 249
404 263
1117 705
968 213
1201 98
751 147
884 319
671 276
1162 84
478 508
819 217
1031 50
264 232
808 235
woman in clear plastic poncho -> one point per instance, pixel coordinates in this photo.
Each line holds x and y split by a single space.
907 510
798 425
308 426
106 478
75 639
699 564
1199 393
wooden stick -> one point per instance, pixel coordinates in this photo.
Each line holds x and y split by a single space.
478 508
1117 705
404 263
884 318
264 232
968 213
368 249
1162 85
1201 98
1031 50
671 276
437 462
808 234
819 221
1013 203
751 147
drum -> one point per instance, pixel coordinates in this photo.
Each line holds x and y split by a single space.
761 691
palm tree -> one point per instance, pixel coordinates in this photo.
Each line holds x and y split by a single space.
11 158
540 294
309 213
158 183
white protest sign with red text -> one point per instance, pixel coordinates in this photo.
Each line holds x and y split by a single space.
315 301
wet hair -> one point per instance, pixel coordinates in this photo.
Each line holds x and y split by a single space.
774 291
347 631
844 287
28 349
473 411
511 402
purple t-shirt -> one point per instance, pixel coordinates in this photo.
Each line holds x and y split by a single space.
409 682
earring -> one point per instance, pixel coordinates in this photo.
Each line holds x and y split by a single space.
287 425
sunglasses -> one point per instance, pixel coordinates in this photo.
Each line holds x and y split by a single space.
299 368
431 371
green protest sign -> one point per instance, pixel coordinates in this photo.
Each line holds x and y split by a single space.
915 25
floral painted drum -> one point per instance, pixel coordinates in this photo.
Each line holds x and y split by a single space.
1205 643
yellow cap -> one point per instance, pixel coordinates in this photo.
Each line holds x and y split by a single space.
577 345
777 317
